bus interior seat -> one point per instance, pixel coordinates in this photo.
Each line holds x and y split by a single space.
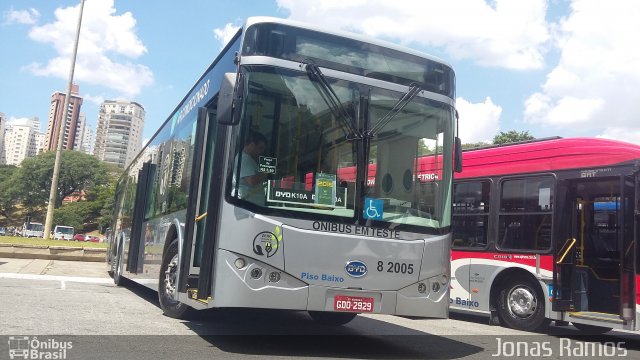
511 238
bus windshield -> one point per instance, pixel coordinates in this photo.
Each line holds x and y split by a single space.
296 158
35 227
68 230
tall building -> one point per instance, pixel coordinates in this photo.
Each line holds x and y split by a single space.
21 141
2 127
40 142
119 132
58 114
84 139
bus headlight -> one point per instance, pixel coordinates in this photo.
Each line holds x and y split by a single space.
240 263
274 276
256 273
422 288
444 280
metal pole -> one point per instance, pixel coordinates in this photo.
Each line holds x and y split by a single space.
53 192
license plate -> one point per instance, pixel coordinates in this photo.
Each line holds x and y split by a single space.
352 303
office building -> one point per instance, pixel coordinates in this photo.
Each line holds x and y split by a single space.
84 138
21 141
57 115
119 132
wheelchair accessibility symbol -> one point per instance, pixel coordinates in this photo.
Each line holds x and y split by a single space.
373 209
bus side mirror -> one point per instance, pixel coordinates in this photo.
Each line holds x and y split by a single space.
457 159
230 99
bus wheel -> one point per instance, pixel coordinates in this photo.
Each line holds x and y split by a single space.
592 329
521 305
332 318
167 287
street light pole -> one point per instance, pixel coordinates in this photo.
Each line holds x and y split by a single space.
53 192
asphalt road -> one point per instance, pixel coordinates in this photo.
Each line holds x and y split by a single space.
46 306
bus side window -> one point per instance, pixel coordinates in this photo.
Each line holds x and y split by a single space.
525 214
471 214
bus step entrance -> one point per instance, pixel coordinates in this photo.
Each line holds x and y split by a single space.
193 295
588 315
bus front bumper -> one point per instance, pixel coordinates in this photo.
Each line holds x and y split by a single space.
254 285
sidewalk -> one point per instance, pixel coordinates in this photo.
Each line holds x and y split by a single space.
46 252
53 267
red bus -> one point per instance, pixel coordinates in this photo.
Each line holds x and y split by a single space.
546 231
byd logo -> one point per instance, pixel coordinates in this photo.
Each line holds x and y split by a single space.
356 268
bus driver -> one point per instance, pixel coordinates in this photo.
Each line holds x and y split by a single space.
251 182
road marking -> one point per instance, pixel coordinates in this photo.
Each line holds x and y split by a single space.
89 280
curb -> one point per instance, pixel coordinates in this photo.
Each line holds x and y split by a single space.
46 252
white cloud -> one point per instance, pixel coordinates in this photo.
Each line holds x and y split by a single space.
631 135
18 121
105 39
596 85
225 34
27 17
95 99
479 122
501 33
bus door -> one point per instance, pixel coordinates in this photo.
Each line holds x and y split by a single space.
137 241
628 244
565 246
594 277
205 191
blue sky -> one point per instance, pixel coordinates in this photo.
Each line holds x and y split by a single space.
551 67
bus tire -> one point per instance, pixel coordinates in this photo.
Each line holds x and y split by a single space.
591 329
331 318
521 305
167 286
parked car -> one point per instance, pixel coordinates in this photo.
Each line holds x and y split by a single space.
79 237
92 238
62 232
3 231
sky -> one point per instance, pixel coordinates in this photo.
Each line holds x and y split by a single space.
550 67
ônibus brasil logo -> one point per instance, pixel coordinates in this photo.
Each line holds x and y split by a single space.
25 347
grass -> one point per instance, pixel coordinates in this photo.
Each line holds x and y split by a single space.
50 242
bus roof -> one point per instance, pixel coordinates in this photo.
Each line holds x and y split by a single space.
546 155
349 35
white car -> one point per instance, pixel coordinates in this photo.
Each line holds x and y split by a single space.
63 232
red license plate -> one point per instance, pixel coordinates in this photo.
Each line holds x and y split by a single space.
352 303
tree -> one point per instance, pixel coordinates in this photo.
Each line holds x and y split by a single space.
511 137
8 192
74 214
79 172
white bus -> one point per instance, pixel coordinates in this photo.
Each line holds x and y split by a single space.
32 229
254 192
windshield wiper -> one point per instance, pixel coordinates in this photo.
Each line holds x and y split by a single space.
395 110
332 100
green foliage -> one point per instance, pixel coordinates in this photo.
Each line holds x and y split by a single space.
511 137
7 192
78 172
25 190
474 145
74 214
